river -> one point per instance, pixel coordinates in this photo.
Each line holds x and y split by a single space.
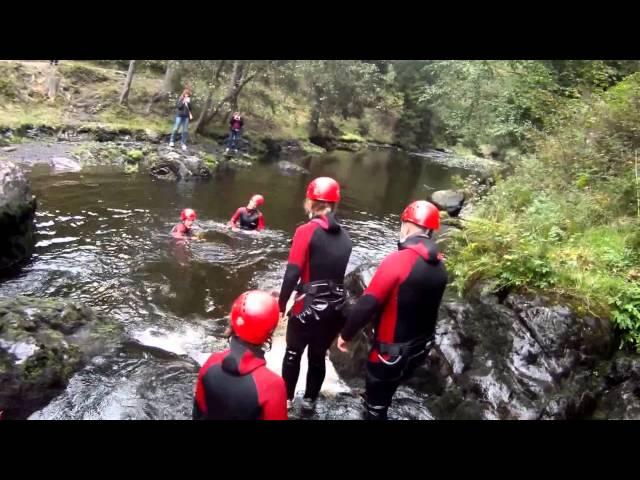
103 239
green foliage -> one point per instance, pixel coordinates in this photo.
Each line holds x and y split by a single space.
565 221
81 74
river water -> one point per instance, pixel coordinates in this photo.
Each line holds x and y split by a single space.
103 239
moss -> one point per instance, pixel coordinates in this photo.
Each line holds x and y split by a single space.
352 138
82 74
311 148
131 168
135 155
210 160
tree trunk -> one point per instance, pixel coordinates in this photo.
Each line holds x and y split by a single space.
124 97
167 83
234 89
314 122
53 82
215 81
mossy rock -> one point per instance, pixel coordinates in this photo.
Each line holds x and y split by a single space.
131 168
351 138
43 342
210 160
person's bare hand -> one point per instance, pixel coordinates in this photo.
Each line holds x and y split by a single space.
342 345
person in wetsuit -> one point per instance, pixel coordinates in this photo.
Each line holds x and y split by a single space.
249 217
236 384
315 270
402 299
183 229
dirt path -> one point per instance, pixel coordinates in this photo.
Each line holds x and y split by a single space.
37 152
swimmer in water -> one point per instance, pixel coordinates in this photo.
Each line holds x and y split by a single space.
183 229
249 217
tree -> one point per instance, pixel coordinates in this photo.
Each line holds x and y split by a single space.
124 96
167 85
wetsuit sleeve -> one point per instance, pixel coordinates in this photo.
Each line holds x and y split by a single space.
236 215
260 222
298 258
275 405
199 402
373 298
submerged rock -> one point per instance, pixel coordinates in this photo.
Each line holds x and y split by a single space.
290 167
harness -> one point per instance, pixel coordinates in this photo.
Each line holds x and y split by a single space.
402 349
322 294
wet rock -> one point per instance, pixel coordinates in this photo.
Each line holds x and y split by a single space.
17 215
42 343
511 358
451 201
290 167
175 166
63 164
130 382
328 143
9 149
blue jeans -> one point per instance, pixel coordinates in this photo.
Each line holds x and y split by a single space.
184 122
233 138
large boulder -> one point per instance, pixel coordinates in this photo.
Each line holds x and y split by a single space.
512 357
17 215
450 201
63 164
42 343
173 165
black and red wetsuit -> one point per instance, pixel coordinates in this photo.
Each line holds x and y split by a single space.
318 259
181 230
236 385
248 219
403 298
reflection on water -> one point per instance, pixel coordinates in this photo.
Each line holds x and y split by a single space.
103 239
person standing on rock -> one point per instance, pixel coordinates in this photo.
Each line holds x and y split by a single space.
236 384
183 229
318 259
236 123
183 116
403 297
249 217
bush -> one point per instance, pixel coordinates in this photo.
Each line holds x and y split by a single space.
565 222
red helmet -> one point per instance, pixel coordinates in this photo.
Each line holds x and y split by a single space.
188 214
422 213
324 189
258 199
254 316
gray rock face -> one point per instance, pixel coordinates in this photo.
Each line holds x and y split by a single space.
451 201
17 215
519 358
176 166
